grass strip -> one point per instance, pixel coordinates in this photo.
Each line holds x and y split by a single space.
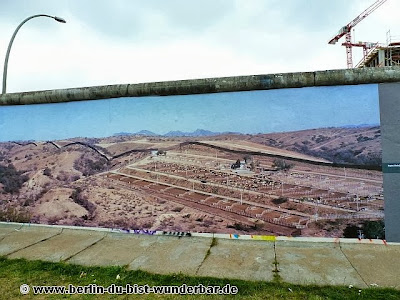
14 272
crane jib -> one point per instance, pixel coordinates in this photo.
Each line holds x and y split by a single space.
346 30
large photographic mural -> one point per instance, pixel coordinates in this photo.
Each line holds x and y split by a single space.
304 161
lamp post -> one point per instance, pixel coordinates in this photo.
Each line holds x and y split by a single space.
61 20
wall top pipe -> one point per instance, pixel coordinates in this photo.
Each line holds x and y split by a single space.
209 85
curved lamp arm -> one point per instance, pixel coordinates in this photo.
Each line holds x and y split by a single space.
61 20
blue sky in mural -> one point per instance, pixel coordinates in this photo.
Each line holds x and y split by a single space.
244 112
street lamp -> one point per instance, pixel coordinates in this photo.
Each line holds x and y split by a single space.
61 20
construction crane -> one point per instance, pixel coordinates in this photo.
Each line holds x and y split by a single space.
346 30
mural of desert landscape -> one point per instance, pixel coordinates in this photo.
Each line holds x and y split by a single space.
294 162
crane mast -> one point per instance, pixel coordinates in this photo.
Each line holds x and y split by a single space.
346 31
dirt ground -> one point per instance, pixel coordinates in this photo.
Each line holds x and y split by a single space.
187 188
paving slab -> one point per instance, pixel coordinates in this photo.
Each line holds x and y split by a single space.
240 259
300 260
25 237
376 264
6 229
171 254
60 247
315 263
116 249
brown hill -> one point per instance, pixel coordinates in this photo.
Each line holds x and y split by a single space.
340 145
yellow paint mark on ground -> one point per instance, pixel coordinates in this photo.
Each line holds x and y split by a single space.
264 237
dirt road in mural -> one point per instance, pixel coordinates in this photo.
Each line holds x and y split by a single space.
310 183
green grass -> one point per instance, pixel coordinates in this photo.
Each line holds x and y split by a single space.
13 273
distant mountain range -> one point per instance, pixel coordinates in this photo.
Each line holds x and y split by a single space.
203 132
146 132
197 132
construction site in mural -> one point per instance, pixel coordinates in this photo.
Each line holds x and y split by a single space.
293 162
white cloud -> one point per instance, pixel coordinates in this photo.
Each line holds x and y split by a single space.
110 42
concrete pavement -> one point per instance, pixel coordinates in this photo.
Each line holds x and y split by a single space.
315 263
320 261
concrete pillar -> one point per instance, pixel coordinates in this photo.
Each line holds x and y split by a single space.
389 98
381 57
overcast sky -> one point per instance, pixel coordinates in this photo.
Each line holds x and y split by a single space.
132 41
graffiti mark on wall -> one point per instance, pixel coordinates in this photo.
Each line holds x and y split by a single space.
136 231
176 233
143 231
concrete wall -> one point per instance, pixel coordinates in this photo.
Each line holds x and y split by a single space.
389 101
209 85
389 98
